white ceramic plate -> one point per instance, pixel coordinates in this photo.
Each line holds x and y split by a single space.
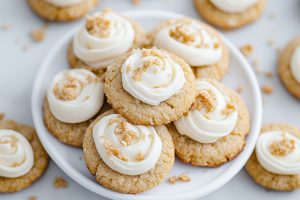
204 180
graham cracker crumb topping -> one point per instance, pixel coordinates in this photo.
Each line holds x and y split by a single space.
204 99
69 90
283 147
229 109
124 135
99 25
60 182
11 140
180 34
140 156
112 151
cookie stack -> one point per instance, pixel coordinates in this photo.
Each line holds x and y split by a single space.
133 100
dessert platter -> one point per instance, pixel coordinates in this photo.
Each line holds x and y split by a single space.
118 107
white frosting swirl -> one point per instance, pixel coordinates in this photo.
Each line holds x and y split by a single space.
135 156
152 78
64 3
204 126
233 6
16 155
75 95
203 49
295 64
286 165
99 52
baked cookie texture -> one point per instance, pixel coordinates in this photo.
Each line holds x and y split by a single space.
284 68
40 159
124 183
225 20
268 179
223 150
53 13
139 41
217 70
67 133
138 112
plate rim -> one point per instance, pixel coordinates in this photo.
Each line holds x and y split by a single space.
214 185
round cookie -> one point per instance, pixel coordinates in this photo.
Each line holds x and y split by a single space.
284 68
51 12
124 183
40 159
139 41
217 70
138 112
70 134
268 179
224 149
225 20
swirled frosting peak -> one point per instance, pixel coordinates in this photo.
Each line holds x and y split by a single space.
103 38
295 64
233 6
126 148
211 117
279 152
152 76
190 40
16 155
75 95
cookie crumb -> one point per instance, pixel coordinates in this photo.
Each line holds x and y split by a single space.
239 89
268 74
135 2
182 177
60 182
5 27
267 89
140 156
247 50
2 115
172 179
38 35
32 197
283 147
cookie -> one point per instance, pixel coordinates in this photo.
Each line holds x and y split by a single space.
39 155
74 98
166 102
123 183
215 148
64 13
208 58
266 178
285 67
97 55
228 20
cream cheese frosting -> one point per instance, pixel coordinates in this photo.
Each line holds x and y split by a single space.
191 41
211 117
75 95
295 64
126 148
64 3
279 152
152 76
104 37
16 155
233 6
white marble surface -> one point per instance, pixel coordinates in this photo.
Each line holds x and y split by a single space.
20 59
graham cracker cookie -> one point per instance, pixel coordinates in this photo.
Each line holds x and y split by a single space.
224 149
138 112
132 184
266 178
284 68
217 70
51 12
40 159
226 20
67 133
139 41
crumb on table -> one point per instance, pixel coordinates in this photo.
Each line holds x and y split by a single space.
247 49
38 35
60 182
2 115
32 197
267 89
239 89
5 27
135 2
182 177
268 74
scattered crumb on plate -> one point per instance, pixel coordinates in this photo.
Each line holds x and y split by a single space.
239 89
267 89
135 2
32 197
60 182
247 49
182 177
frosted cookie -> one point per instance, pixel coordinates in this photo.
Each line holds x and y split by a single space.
74 97
275 163
22 157
102 39
127 158
198 44
289 67
150 86
213 132
230 14
62 10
